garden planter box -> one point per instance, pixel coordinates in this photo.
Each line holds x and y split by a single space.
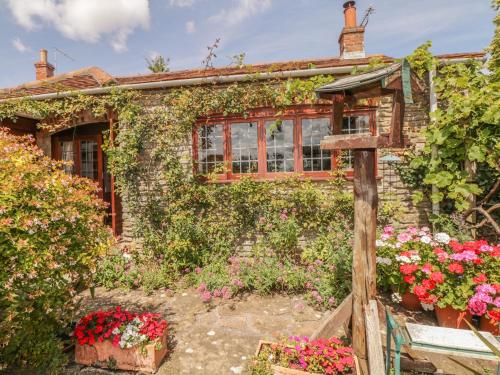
278 370
448 317
104 354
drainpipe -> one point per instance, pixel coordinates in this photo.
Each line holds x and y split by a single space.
434 151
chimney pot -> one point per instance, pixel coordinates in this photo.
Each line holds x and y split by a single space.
352 37
350 14
43 56
43 68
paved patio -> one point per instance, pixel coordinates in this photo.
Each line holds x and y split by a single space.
217 340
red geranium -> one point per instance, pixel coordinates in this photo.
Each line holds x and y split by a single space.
480 279
408 269
456 268
108 325
410 279
437 277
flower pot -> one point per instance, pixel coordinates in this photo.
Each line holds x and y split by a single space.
411 302
450 317
485 324
104 354
278 370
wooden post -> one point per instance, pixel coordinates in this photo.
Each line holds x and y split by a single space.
364 263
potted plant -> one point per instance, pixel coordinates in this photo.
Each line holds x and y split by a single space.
299 355
121 339
400 257
485 303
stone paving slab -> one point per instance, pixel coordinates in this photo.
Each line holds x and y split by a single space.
210 340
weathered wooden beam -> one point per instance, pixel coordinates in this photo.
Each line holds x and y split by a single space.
375 349
363 269
397 119
338 112
340 316
353 142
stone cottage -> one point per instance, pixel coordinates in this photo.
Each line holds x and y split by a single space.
242 143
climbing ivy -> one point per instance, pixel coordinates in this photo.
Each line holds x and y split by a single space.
464 130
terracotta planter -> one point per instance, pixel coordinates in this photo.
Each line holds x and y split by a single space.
104 354
449 317
486 325
411 302
278 370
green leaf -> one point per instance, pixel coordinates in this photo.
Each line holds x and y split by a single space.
476 153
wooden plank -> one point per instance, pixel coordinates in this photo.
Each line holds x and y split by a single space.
363 269
350 142
374 342
336 320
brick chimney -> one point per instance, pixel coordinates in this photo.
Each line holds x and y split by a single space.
43 68
352 37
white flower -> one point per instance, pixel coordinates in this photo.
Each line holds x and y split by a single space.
415 258
442 238
379 243
425 239
127 256
396 298
402 259
382 260
427 307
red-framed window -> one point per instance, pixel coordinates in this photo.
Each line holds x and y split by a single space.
266 145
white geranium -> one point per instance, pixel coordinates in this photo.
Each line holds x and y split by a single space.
396 298
382 260
427 306
379 243
425 239
442 238
403 259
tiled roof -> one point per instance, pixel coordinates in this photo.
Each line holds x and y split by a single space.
94 77
76 80
249 69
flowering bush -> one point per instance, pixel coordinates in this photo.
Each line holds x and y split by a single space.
321 356
52 233
123 328
440 270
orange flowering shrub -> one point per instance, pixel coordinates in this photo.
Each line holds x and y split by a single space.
51 235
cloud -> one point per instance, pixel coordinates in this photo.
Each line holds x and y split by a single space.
85 20
190 27
241 10
19 45
182 3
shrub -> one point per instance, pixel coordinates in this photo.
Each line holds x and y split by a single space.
52 233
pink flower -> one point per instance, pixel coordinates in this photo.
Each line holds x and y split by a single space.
486 289
427 268
202 288
198 270
476 306
389 230
404 237
206 296
465 256
412 230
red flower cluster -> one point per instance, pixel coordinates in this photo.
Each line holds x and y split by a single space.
107 325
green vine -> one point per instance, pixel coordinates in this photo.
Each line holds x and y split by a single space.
464 130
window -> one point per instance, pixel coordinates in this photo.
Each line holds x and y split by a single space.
210 147
280 146
67 155
267 145
244 147
313 157
88 159
353 125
